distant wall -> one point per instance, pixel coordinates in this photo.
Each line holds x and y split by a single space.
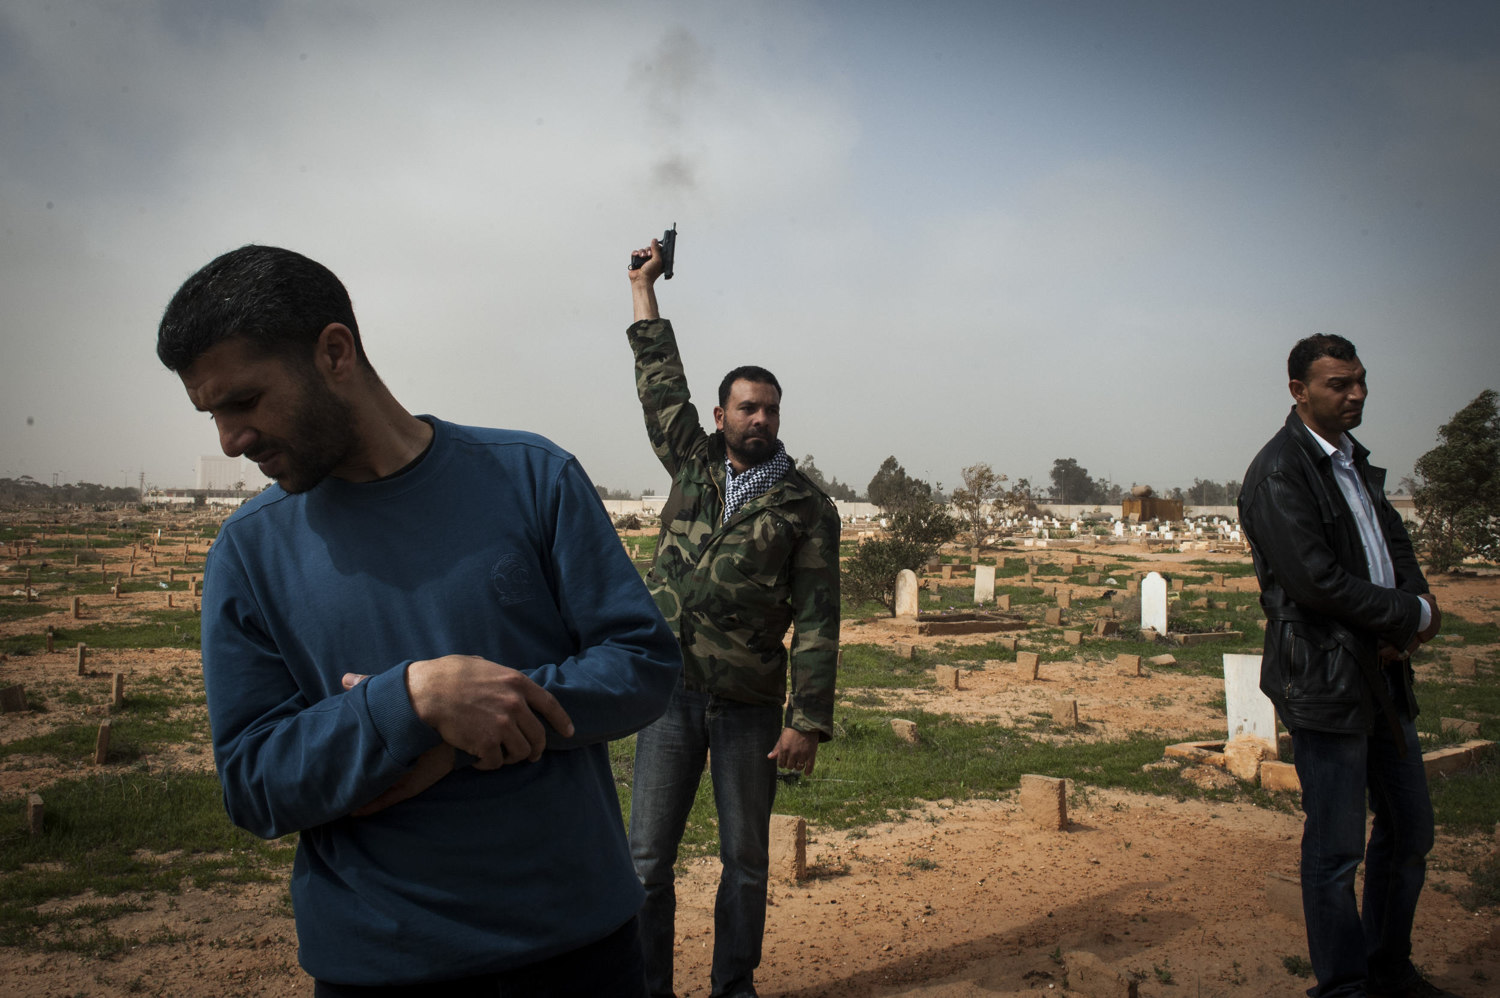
1078 511
857 510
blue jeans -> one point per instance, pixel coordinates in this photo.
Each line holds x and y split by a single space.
669 756
1350 950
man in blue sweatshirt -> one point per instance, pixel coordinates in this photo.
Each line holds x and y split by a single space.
415 649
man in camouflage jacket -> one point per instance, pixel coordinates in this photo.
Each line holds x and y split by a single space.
730 586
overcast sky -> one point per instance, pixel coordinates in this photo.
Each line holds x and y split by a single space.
958 232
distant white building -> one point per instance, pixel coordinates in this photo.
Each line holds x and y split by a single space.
218 473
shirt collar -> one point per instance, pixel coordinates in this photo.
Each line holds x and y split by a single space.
1345 445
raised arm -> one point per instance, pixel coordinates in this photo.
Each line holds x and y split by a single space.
672 422
643 281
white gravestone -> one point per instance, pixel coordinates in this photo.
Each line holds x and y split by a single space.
906 593
1154 602
1248 709
984 583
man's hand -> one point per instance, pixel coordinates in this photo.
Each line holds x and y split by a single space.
795 750
642 279
431 766
489 710
1433 625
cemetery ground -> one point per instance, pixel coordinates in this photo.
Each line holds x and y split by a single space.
926 874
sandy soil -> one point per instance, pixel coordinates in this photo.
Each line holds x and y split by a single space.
968 899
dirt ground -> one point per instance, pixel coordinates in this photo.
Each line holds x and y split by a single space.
961 899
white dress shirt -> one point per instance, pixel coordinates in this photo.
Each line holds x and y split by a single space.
1356 494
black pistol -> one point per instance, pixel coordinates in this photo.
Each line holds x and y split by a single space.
668 253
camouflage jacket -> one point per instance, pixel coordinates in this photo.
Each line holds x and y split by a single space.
731 590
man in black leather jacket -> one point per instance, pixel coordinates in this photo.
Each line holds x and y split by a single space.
1346 605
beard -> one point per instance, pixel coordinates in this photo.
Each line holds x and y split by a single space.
321 438
749 448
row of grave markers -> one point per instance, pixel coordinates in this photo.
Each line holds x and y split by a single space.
1153 590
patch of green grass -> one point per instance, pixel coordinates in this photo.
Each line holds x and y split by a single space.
1483 889
16 608
156 629
1025 596
862 611
871 666
148 721
1297 966
108 833
1228 569
951 652
1469 800
1473 632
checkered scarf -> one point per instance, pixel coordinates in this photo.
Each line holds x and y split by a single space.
739 489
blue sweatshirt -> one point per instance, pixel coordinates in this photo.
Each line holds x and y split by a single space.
495 544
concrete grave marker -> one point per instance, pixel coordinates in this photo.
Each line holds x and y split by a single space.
1248 709
1284 896
101 744
788 846
1154 603
1065 713
906 593
1044 799
1457 725
12 698
984 583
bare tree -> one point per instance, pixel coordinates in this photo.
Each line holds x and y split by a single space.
975 499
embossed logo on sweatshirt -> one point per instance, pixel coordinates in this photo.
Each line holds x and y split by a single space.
512 580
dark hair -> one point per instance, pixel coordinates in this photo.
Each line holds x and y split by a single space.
276 299
748 372
1310 349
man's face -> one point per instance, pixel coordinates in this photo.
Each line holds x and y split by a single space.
1332 399
750 420
278 413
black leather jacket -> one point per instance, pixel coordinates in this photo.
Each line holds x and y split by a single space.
1325 618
